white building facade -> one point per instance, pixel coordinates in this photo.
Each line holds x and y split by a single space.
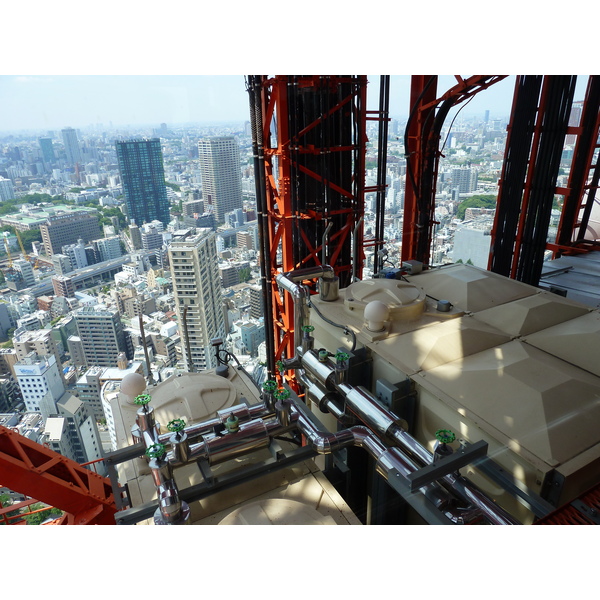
197 290
40 382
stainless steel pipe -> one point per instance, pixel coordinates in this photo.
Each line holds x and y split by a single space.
360 402
251 436
243 412
290 282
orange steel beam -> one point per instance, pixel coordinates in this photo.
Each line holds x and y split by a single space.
304 155
34 470
537 132
583 175
426 119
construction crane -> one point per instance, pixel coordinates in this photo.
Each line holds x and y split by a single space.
6 245
25 255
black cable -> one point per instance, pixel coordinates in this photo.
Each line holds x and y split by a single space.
454 119
346 329
240 367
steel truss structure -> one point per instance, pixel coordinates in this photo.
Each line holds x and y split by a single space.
309 139
422 148
39 472
528 188
309 143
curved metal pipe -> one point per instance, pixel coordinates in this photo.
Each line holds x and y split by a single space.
388 460
290 282
251 436
360 402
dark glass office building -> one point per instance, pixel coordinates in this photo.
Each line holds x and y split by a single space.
143 178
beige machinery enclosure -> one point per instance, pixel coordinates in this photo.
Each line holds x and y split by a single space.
491 359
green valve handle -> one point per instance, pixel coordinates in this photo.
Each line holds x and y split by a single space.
282 394
445 436
308 328
142 399
279 365
232 423
176 425
156 451
270 386
342 356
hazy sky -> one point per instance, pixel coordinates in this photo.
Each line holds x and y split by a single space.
49 102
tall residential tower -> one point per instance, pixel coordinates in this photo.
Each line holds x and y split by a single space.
143 177
101 334
221 175
197 288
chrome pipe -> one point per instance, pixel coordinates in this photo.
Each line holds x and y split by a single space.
324 243
251 436
355 248
181 447
169 504
145 418
386 459
291 282
243 412
323 372
361 403
386 424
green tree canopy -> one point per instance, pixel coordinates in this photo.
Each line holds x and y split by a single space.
40 517
479 201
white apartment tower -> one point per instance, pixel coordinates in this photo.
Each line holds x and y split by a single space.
221 174
40 383
76 254
197 288
26 270
7 191
101 334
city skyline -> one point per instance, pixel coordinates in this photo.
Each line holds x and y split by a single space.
52 103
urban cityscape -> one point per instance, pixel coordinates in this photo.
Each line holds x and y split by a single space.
128 249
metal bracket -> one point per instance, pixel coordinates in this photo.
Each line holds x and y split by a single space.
552 487
587 511
430 513
448 464
205 470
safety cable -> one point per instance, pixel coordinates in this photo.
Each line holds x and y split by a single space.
346 329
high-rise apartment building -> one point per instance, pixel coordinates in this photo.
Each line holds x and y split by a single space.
197 289
88 389
256 301
7 191
81 430
63 286
101 334
72 149
64 229
221 175
77 255
464 179
62 264
143 177
40 382
39 341
107 248
26 270
151 238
